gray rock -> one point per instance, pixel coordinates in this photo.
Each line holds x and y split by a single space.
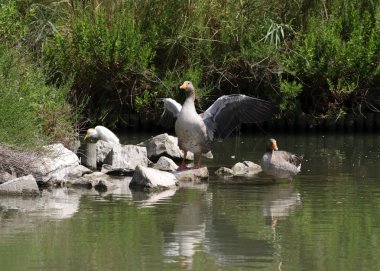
246 168
57 164
6 176
20 186
192 175
165 164
164 145
103 151
151 178
78 171
98 180
128 156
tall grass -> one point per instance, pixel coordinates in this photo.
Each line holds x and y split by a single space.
31 113
316 57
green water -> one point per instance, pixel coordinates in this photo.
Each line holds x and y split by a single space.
327 219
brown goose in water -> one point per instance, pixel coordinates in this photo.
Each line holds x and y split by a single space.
196 132
280 164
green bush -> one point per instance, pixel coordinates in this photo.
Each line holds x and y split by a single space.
107 59
31 113
119 56
337 60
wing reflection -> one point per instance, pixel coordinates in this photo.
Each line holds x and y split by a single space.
145 199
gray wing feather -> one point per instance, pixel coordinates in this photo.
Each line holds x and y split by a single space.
229 111
291 158
171 112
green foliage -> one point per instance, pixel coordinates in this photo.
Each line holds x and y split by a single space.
107 58
12 27
276 33
119 56
337 58
289 92
30 112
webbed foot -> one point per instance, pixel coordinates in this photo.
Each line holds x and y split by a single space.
182 168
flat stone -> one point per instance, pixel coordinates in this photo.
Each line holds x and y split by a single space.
78 171
20 186
246 168
192 175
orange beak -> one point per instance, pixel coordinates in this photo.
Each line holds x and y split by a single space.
274 146
183 86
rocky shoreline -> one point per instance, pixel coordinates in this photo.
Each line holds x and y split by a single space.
149 165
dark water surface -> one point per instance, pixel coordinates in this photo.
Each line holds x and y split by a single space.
327 219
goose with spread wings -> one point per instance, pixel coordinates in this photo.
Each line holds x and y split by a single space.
196 132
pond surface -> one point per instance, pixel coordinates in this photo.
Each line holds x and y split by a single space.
328 218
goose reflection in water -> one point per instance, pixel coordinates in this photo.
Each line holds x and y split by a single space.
189 231
279 202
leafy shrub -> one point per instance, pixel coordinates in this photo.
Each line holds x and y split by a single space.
31 113
289 93
337 60
107 59
12 27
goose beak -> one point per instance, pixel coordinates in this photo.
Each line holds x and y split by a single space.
183 86
85 137
274 146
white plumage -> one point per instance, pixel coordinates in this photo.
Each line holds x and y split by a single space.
196 132
102 133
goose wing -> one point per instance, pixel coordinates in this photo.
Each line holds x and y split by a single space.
229 111
171 112
293 159
106 134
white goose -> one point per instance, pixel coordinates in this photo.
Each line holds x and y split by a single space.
102 133
196 132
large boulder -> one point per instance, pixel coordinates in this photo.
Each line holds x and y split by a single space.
20 186
164 145
128 156
57 165
151 178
